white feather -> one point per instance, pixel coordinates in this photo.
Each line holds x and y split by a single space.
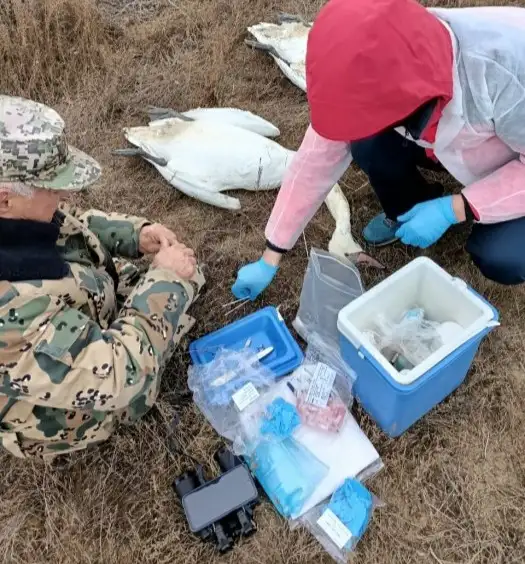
288 40
234 116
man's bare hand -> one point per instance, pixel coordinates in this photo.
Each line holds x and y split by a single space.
177 258
154 237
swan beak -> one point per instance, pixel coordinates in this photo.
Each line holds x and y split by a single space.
366 260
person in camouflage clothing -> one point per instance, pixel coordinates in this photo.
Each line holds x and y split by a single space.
84 335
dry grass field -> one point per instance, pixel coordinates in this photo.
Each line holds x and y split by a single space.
454 485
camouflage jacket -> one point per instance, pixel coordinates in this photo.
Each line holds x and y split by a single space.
72 364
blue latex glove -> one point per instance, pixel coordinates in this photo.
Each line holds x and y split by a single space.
253 278
352 503
281 419
425 223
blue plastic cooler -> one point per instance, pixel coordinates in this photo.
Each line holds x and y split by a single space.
396 401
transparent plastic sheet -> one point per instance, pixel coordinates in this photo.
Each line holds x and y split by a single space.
323 388
226 386
286 469
370 471
406 342
330 283
347 453
340 523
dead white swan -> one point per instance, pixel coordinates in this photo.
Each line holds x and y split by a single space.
207 151
286 43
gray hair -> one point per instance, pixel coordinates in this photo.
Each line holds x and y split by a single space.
18 188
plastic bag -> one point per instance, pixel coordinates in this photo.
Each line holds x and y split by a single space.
270 418
226 386
340 523
318 351
330 283
287 471
322 386
407 342
360 457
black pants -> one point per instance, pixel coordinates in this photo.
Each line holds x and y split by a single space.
391 164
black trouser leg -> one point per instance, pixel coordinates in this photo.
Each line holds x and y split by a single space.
497 251
391 163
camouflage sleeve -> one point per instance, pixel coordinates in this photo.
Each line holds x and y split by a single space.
66 361
118 232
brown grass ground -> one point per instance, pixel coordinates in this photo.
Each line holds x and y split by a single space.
454 484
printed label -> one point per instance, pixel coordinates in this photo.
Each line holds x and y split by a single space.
333 527
321 385
245 396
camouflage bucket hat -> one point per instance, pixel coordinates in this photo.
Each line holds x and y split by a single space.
34 149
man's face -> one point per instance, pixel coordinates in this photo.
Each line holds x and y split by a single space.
40 206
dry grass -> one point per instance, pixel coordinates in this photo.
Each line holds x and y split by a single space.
454 485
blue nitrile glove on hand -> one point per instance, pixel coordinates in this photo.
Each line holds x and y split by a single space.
253 278
425 223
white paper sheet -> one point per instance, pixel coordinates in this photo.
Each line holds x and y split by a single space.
346 454
245 396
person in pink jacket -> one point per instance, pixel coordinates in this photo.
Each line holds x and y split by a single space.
397 87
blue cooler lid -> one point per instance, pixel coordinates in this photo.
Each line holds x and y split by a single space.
265 328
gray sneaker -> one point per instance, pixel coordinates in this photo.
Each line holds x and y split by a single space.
381 231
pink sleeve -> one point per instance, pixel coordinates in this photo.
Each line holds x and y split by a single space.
313 171
501 195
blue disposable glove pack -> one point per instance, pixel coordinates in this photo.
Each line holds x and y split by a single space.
287 471
352 504
253 278
281 419
339 524
425 223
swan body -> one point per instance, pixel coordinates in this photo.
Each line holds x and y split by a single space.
234 116
205 152
206 157
286 44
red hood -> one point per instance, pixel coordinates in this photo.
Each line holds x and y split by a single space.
372 63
